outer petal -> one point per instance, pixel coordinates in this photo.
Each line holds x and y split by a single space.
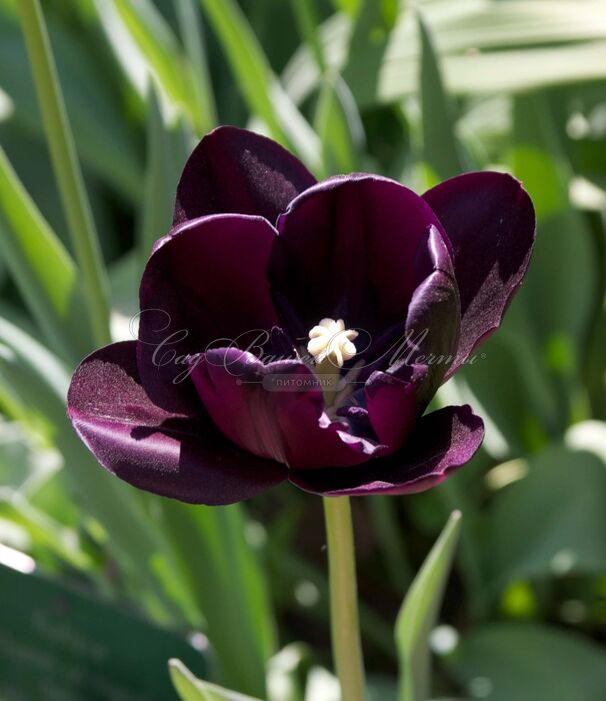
237 171
347 250
204 282
440 443
178 456
275 410
489 219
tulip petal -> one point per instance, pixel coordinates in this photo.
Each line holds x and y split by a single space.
489 219
440 442
347 250
275 410
392 403
237 171
174 455
429 334
205 282
432 329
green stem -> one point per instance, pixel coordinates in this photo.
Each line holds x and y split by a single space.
347 649
67 168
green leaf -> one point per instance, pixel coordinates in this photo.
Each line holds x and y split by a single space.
528 662
364 52
190 688
307 23
163 53
518 401
516 46
563 236
384 516
442 151
258 85
99 658
564 241
167 150
225 579
349 6
47 534
595 367
33 380
192 33
339 126
103 137
419 612
40 265
528 376
68 173
545 524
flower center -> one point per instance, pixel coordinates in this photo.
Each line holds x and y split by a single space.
330 342
330 345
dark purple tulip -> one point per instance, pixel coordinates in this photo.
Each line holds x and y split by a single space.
298 330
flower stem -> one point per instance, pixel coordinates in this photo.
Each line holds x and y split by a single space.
67 168
347 650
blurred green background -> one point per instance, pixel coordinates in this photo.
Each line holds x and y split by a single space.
418 92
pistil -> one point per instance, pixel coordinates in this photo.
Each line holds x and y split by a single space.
331 345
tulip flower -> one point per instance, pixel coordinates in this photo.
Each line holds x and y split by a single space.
298 330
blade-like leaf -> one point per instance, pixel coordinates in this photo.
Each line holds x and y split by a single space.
32 374
224 577
193 38
40 265
103 137
67 169
485 46
419 611
305 15
339 126
190 688
167 147
441 148
259 86
163 53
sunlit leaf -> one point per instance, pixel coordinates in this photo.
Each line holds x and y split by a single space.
258 85
442 150
486 47
190 688
339 127
40 265
226 581
419 611
163 53
167 150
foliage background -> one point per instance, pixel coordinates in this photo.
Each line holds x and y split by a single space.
419 93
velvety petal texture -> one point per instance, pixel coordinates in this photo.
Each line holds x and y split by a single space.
233 385
441 442
180 456
489 219
237 171
348 248
275 411
205 282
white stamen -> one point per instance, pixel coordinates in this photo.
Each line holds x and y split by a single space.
331 340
